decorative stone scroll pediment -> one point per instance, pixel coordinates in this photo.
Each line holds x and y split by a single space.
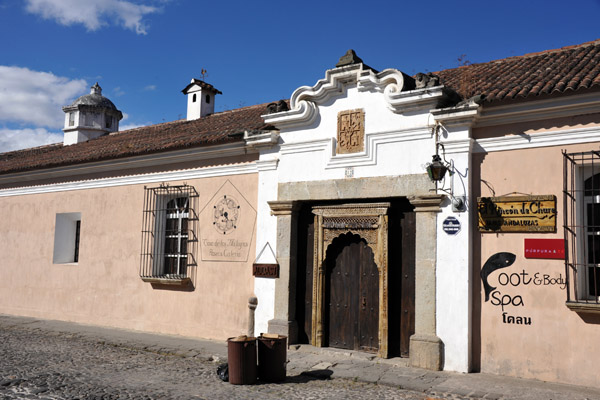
397 87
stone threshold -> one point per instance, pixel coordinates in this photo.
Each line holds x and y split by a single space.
332 352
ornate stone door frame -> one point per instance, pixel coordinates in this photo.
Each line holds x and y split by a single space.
369 221
426 348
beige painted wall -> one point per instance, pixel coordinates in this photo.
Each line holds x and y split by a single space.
533 127
559 345
104 287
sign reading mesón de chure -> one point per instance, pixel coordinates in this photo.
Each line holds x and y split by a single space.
517 213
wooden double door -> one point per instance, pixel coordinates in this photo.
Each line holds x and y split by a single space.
351 288
351 295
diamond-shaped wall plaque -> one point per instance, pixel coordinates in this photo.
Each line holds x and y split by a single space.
226 226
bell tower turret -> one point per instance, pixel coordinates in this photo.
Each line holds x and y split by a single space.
89 117
201 99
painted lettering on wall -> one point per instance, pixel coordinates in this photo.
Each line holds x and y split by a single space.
227 223
498 296
524 278
495 262
225 247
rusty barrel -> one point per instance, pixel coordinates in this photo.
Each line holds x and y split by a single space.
241 357
272 357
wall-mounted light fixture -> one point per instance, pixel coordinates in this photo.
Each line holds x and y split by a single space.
436 169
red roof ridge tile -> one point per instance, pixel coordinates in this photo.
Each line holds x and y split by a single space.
243 108
569 68
29 149
523 56
146 126
573 46
183 121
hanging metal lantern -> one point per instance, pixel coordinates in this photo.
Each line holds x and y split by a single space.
436 169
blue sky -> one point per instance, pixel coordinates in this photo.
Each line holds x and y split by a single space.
144 52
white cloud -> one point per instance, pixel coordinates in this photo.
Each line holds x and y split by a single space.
93 14
36 98
150 87
130 126
117 91
15 139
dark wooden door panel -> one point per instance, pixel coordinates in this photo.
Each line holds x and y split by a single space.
343 315
368 324
407 303
353 295
308 282
304 273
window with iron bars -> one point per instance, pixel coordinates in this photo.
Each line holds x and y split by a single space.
581 195
169 235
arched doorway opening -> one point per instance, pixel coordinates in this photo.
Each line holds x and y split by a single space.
375 225
351 295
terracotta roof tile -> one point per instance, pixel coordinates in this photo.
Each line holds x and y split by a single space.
551 71
210 130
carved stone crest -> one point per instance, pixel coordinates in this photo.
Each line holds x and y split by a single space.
351 131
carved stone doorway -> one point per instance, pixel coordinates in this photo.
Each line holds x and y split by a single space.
351 295
363 231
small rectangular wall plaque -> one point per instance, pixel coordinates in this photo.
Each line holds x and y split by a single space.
545 248
265 270
517 214
351 131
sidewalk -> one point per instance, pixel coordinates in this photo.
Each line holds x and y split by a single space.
329 364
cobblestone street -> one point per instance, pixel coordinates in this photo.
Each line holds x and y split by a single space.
49 359
38 364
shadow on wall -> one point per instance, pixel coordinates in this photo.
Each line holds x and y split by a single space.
590 318
476 288
175 288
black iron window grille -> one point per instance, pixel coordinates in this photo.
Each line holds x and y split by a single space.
77 235
169 239
581 198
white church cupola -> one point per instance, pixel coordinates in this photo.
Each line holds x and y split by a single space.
89 117
201 99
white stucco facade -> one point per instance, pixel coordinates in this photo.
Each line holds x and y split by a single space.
398 141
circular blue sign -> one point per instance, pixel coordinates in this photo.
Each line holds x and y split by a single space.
451 226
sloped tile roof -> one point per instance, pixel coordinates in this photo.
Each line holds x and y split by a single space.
553 71
547 72
213 129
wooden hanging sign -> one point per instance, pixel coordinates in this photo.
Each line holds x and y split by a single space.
266 264
517 214
265 270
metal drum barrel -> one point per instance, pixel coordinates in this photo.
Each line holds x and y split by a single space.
241 356
272 357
